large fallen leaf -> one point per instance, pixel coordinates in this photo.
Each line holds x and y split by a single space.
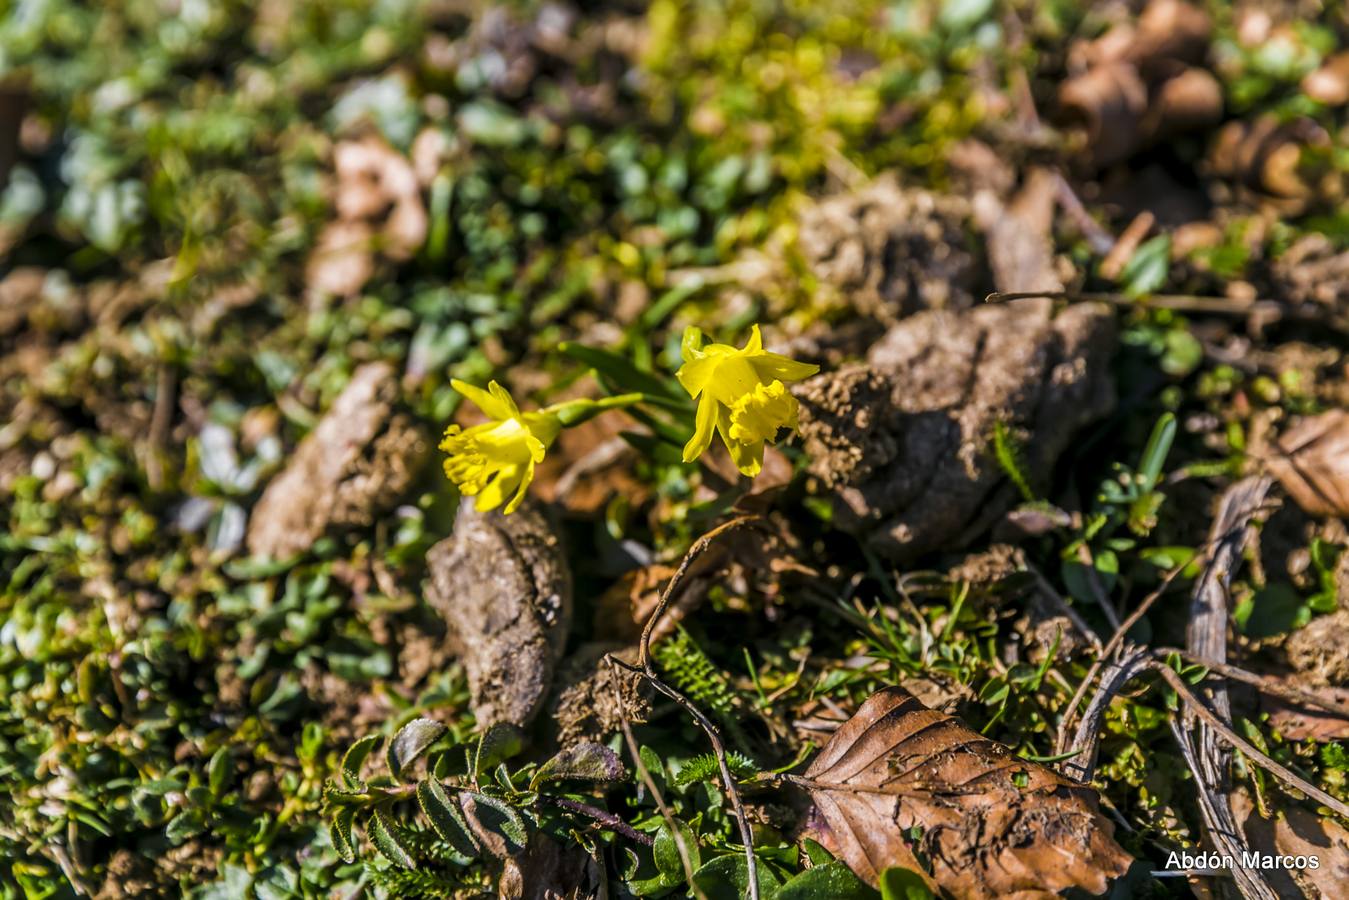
1312 463
1295 832
899 783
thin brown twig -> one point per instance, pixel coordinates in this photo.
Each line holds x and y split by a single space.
630 741
1098 592
607 819
1116 639
1213 721
1259 682
1194 303
649 672
1061 606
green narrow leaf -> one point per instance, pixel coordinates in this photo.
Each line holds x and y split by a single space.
445 817
621 373
340 829
384 834
355 757
500 817
412 740
219 770
1155 453
584 762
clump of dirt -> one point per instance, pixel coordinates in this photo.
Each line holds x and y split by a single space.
594 697
891 251
1313 272
904 444
503 586
360 458
1318 651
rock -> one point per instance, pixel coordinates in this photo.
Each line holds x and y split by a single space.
891 251
902 444
504 589
356 463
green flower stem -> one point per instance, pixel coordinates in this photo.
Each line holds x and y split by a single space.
574 412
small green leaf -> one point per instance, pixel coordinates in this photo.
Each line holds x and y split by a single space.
355 758
666 853
445 817
498 816
219 770
1274 609
498 743
902 884
340 829
833 881
583 762
1148 268
385 836
727 878
412 740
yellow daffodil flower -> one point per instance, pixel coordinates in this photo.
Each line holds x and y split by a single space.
742 395
495 461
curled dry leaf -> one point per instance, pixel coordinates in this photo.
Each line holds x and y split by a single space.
1271 158
1311 461
992 824
1141 83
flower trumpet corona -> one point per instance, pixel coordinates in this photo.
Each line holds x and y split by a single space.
494 462
742 395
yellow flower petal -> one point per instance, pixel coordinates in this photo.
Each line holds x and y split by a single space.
748 458
772 366
758 415
696 373
494 402
703 428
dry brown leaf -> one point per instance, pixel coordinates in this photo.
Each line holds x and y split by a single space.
1268 156
1311 461
1143 82
1297 832
1304 722
993 825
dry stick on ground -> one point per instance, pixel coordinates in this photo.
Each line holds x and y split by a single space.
645 776
648 671
1116 639
1199 708
1086 742
1207 637
1262 683
1060 606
